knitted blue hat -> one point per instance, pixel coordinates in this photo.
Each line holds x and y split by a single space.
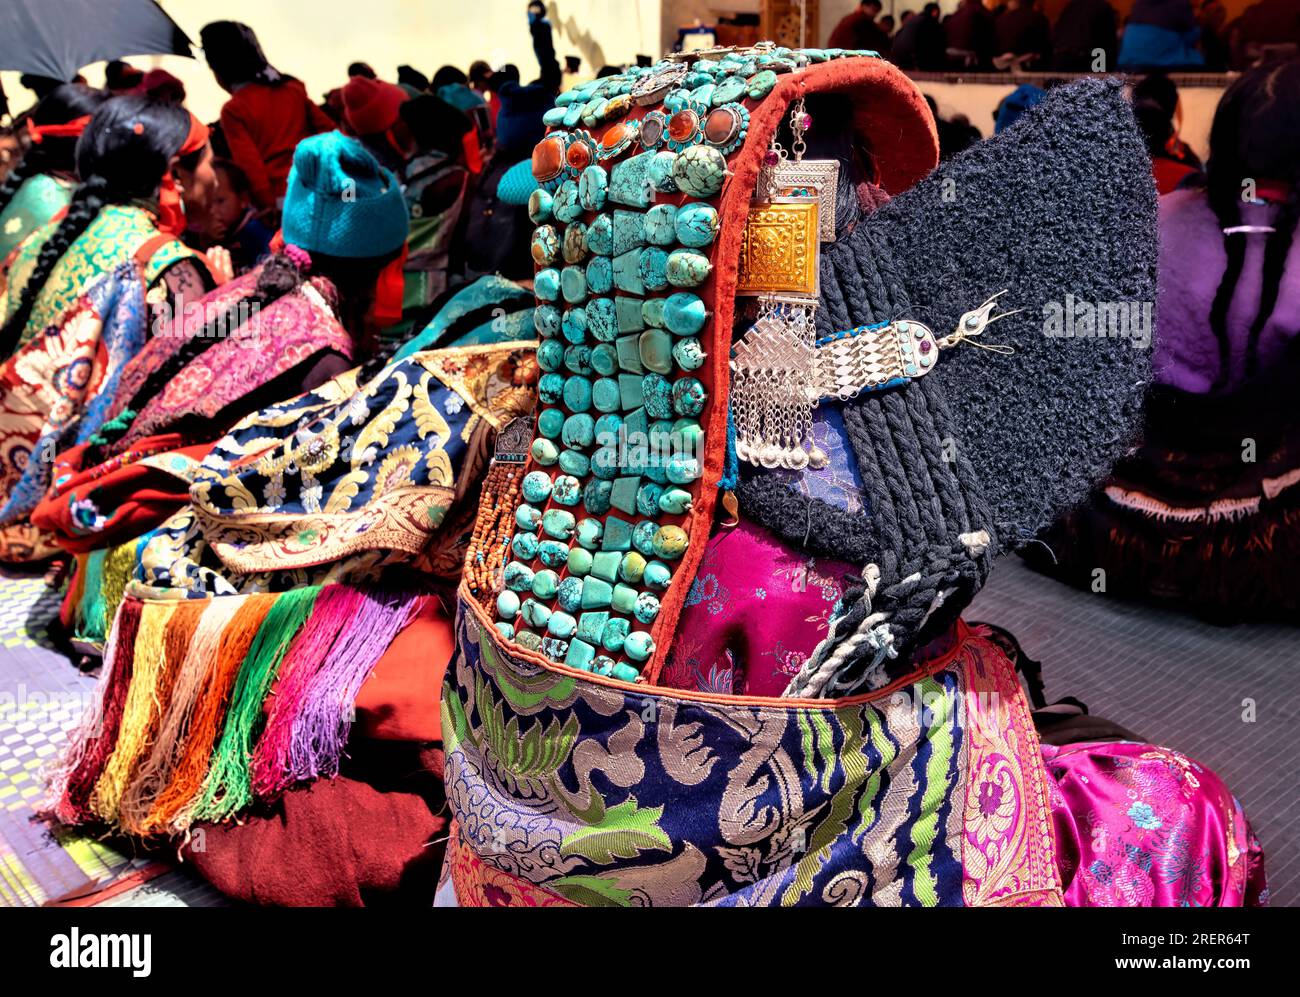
341 202
517 183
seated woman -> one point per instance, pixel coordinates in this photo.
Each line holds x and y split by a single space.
1205 513
40 185
714 653
81 300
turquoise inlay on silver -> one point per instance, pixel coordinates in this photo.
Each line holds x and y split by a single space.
688 353
627 275
539 206
629 231
658 225
687 268
574 324
601 319
630 183
546 285
652 267
661 172
593 188
575 243
600 275
546 320
567 207
573 284
600 235
696 225
700 171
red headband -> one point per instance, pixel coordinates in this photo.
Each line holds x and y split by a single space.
69 129
196 139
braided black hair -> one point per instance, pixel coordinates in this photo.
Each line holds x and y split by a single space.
52 155
122 155
1255 136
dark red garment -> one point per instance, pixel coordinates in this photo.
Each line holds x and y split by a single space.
859 30
1169 173
262 125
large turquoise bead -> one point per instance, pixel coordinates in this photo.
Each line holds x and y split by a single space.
656 350
539 206
550 354
545 583
629 231
574 324
643 536
652 312
544 451
661 172
573 284
638 645
600 275
552 553
615 633
684 313
596 496
524 546
659 225
646 608
628 311
546 285
605 396
567 208
699 171
558 523
550 423
657 575
761 84
508 604
577 359
685 268
518 577
546 320
593 188
578 431
535 614
630 182
536 487
545 245
550 388
577 394
575 463
567 490
575 243
696 225
688 353
588 532
652 267
600 235
528 518
689 396
604 359
569 595
602 319
627 272
657 395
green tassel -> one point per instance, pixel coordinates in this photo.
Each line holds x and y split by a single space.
114 428
91 611
228 787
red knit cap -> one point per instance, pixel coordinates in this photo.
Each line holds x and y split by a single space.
370 107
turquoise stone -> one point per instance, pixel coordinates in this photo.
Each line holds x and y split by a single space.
628 311
546 320
577 359
623 496
643 537
688 353
630 391
528 518
507 604
506 630
696 225
545 584
550 388
536 487
528 639
699 171
558 523
575 243
574 324
670 542
534 613
573 284
605 396
546 285
545 452
689 436
658 225
618 534
629 231
600 275
656 348
646 608
684 313
577 394
595 496
574 463
631 568
605 565
682 469
604 360
652 312
732 88
600 234
539 206
675 501
589 532
566 207
553 553
569 597
579 561
580 655
602 322
630 182
703 96
554 648
567 490
624 598
524 546
689 396
603 665
608 427
567 97
518 576
595 592
686 268
638 645
657 575
636 425
657 395
593 111
624 672
593 188
578 431
592 625
614 635
629 354
652 267
550 354
573 114
647 498
561 624
553 117
661 172
604 463
627 272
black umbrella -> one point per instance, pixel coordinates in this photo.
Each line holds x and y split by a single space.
55 38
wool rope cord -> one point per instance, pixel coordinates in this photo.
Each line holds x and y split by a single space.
147 696
335 605
79 740
228 787
171 808
81 782
133 808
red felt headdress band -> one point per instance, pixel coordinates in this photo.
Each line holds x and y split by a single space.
67 129
196 139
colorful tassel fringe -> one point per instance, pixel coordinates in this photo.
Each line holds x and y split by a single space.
206 707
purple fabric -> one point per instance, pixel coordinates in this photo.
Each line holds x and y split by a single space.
1192 262
1141 826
